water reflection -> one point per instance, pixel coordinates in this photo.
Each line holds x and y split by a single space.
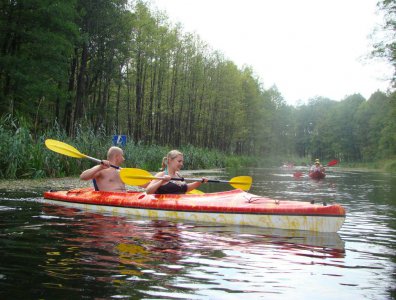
54 252
129 253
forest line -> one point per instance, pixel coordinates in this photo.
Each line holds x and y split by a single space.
119 67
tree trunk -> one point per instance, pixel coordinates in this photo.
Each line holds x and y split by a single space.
80 94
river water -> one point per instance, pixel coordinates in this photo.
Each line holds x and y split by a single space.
54 252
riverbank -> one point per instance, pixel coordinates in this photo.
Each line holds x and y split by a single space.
25 156
384 165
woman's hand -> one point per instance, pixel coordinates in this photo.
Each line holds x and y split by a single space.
166 178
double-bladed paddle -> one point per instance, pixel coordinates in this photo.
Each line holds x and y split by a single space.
333 162
133 176
138 177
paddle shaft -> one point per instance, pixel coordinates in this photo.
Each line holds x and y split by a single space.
100 161
133 176
182 179
196 179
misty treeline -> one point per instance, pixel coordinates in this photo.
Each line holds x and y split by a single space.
120 67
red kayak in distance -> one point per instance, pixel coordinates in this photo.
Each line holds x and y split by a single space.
317 175
312 174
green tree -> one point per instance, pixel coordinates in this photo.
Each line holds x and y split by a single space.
386 46
99 56
373 127
36 39
338 136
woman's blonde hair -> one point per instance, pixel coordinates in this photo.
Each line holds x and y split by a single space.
171 155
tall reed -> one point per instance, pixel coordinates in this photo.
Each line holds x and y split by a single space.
23 155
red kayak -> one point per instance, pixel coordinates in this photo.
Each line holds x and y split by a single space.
317 174
234 207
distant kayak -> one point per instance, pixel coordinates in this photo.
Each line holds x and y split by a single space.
234 207
317 174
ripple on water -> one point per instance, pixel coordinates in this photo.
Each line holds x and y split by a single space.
66 253
7 208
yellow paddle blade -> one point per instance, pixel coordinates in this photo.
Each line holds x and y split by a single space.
241 182
195 192
63 148
133 176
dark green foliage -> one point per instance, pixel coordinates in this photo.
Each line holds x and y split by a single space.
351 130
23 156
386 46
116 68
36 41
83 70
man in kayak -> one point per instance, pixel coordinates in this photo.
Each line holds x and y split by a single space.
317 167
171 165
105 177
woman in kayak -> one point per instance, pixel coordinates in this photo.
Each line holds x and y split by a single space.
171 165
105 177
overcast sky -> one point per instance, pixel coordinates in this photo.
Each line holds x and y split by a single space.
307 48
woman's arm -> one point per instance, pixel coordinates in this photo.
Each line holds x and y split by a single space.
196 184
154 184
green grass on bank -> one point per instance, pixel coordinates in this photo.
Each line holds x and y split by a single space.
386 165
23 155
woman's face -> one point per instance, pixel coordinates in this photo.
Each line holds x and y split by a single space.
176 163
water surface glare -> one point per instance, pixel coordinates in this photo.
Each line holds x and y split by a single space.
55 252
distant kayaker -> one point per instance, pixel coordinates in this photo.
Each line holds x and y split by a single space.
105 177
171 165
317 167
